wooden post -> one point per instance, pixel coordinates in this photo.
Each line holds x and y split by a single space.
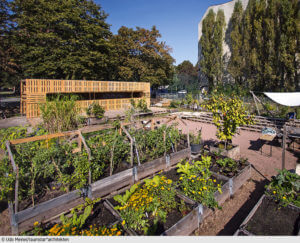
16 170
283 146
188 137
165 143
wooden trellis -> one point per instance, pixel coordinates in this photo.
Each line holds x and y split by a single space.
35 91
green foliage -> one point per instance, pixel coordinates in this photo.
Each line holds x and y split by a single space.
139 56
10 134
196 182
101 157
189 99
77 220
61 39
236 63
186 77
61 114
151 144
175 104
9 70
96 110
264 45
211 41
7 182
227 165
124 199
151 201
195 139
285 188
142 105
228 114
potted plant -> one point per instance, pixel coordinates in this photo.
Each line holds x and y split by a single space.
196 142
229 113
95 111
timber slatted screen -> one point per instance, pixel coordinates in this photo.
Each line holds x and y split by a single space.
34 92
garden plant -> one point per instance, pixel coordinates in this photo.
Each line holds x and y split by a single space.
196 181
229 113
145 205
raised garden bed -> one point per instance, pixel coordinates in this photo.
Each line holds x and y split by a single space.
236 175
98 220
179 218
268 218
49 210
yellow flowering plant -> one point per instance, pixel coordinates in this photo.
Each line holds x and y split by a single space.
151 201
197 182
285 188
228 114
92 230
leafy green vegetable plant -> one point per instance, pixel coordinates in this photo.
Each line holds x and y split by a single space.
195 181
285 188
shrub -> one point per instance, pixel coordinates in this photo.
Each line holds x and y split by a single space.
228 114
61 114
96 110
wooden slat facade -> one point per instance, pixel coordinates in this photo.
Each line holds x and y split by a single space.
34 92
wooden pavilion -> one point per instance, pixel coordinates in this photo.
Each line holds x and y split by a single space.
111 95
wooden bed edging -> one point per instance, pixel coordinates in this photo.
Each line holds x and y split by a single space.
190 222
46 211
238 180
252 212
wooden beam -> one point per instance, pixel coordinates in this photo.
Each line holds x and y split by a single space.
42 137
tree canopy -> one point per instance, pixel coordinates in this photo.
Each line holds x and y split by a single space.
186 77
264 43
72 40
61 39
139 56
211 63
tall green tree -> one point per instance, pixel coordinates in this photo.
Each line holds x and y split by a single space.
211 42
270 46
187 75
8 67
288 47
61 39
140 56
236 62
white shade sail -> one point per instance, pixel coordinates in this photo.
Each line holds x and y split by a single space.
285 98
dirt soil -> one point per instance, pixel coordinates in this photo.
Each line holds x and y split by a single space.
270 219
236 209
